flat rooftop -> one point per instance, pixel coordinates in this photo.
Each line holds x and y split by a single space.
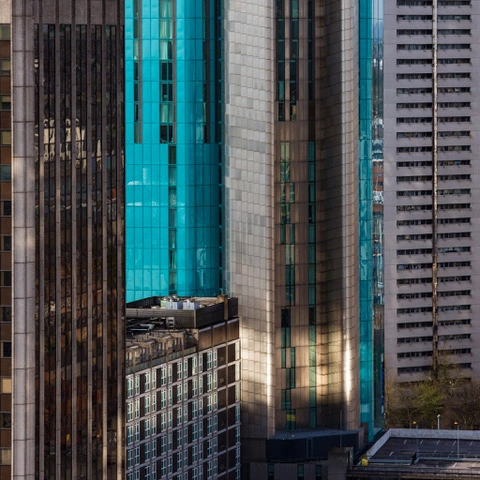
179 312
422 453
160 329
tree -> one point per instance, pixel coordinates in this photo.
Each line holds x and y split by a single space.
406 403
463 405
428 401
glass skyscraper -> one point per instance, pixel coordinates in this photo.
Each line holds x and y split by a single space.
174 147
249 170
370 252
62 330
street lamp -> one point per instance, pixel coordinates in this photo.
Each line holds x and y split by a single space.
458 439
416 426
438 422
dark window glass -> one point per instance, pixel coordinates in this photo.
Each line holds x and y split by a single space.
6 314
5 420
6 278
7 349
5 208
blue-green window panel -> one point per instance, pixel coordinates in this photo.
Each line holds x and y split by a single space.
366 387
366 253
365 132
151 77
189 9
366 228
187 240
197 186
146 195
365 321
365 209
365 187
129 48
365 46
365 90
202 281
365 145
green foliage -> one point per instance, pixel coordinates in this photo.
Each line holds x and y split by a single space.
428 401
418 402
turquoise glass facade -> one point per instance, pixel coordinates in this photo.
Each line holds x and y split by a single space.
371 343
173 148
365 216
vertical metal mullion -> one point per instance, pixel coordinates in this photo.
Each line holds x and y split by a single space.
88 153
58 254
73 98
120 245
105 332
41 253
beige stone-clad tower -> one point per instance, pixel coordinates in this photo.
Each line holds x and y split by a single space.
249 207
291 134
62 301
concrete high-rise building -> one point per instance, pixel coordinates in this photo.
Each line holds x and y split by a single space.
243 173
62 239
431 108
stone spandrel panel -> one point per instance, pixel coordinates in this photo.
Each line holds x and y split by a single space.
5 11
249 95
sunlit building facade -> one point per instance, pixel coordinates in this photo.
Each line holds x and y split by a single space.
183 389
293 225
285 160
62 330
431 188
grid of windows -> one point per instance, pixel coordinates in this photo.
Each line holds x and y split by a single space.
312 320
174 175
196 429
5 252
287 227
413 149
166 70
287 353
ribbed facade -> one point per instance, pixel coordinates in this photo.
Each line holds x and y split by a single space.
249 208
316 229
431 187
68 237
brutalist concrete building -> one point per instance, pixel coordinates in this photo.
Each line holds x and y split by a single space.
431 187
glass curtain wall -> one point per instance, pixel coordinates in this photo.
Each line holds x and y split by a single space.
370 178
173 145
